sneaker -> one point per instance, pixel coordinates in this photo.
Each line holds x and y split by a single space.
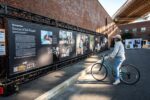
116 82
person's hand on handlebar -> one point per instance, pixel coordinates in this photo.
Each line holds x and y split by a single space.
108 57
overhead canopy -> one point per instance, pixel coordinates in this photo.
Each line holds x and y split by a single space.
131 10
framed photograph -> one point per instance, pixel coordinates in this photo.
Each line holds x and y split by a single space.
2 42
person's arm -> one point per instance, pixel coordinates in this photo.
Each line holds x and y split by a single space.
115 51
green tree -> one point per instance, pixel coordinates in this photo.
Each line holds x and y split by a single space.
127 36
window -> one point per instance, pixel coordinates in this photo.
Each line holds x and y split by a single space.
134 30
126 30
143 29
106 21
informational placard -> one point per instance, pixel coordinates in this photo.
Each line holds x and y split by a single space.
133 43
145 44
2 35
30 46
2 42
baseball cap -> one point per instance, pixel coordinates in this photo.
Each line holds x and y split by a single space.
117 36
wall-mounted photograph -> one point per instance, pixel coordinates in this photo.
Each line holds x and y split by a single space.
82 44
46 37
66 43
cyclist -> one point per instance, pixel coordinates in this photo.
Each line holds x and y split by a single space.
118 55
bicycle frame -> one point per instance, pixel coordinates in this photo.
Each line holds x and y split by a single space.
125 74
107 63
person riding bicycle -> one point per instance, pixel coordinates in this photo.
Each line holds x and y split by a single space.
118 55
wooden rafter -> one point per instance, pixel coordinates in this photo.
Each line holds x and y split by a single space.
133 11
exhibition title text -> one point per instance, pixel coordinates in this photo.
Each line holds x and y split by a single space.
21 29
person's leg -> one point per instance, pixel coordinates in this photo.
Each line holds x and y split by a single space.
117 65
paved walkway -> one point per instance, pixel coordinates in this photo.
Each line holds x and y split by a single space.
86 88
35 88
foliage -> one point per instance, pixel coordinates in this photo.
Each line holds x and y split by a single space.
126 36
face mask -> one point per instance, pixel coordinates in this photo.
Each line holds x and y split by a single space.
115 40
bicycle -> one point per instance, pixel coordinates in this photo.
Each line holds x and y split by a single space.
129 74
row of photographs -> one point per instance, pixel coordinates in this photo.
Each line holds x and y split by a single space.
83 43
69 46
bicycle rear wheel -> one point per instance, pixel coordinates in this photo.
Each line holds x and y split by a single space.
129 74
99 72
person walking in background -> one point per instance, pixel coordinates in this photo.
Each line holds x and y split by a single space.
118 55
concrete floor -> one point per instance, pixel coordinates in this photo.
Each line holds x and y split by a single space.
86 88
35 88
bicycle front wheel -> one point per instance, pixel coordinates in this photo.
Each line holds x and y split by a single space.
129 74
99 71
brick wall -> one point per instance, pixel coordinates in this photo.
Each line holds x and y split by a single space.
138 34
138 26
88 14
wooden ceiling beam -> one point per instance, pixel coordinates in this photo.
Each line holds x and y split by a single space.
125 19
138 9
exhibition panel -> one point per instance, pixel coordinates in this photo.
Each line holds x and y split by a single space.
133 43
33 45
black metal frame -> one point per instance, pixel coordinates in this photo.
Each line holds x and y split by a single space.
11 12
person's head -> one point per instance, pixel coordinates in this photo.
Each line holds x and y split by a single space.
117 37
46 37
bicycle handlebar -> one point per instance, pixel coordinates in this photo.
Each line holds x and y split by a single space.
104 55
